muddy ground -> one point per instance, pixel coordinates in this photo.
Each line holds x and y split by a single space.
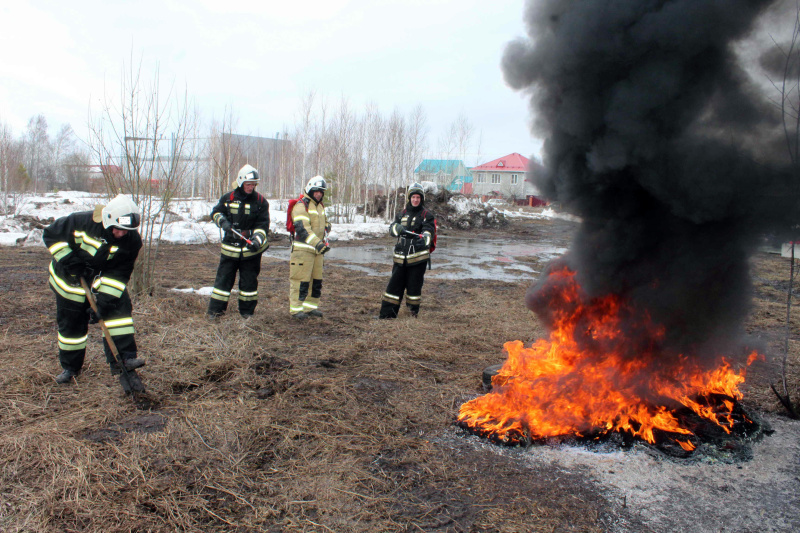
342 423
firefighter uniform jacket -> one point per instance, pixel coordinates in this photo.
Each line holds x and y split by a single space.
77 239
410 250
310 224
247 214
82 247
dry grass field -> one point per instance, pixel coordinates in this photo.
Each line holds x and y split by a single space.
341 424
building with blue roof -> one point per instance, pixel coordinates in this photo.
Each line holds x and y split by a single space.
451 174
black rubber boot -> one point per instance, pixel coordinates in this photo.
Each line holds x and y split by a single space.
315 312
66 376
132 383
131 364
300 316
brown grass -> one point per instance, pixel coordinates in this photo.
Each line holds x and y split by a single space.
340 424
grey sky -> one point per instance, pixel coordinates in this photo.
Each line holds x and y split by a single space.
261 57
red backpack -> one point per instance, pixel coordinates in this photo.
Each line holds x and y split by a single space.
289 221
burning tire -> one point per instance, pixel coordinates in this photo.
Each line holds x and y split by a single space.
488 373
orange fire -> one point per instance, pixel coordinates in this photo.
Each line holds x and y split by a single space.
565 388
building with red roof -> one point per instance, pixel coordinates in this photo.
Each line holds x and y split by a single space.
505 176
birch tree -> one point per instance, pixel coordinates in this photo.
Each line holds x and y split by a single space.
146 130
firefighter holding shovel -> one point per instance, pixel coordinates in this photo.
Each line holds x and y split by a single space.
99 248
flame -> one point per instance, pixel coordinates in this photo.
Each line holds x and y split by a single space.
586 382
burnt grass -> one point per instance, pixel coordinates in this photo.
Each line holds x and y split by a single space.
342 424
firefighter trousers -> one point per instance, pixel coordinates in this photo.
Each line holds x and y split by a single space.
408 279
73 327
249 268
305 272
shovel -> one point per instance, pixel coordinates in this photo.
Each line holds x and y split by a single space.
107 334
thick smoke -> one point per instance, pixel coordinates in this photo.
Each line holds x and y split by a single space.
658 139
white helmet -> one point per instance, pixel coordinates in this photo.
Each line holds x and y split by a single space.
317 183
122 213
246 173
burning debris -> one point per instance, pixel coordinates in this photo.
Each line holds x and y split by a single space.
582 383
657 139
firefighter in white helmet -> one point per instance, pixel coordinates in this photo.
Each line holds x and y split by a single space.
243 216
100 247
309 244
415 229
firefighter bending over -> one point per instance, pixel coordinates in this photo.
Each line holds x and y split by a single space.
100 247
243 215
308 246
414 228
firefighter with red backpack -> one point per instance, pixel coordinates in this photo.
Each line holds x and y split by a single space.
308 227
243 216
415 229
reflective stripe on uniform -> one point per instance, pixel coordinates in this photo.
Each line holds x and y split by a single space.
247 296
294 310
231 251
87 243
109 286
391 297
307 305
64 289
72 343
301 217
296 245
60 250
413 298
120 326
220 295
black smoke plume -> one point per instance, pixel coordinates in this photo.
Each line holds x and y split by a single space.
659 140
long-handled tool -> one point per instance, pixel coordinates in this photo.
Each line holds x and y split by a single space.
412 234
245 239
107 334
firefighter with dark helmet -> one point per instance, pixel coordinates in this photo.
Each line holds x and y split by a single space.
243 216
308 247
414 227
101 247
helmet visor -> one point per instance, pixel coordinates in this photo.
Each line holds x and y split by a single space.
129 221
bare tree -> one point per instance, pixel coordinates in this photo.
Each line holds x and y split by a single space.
36 150
224 152
146 132
789 104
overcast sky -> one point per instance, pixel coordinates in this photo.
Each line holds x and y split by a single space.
260 57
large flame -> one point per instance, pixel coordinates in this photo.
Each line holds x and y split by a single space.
585 380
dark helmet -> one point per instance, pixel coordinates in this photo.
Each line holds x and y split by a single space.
416 188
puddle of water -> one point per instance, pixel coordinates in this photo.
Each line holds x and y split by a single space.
456 258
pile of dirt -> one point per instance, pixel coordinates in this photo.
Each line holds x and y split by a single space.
452 210
343 423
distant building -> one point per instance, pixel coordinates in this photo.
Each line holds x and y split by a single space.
451 174
505 177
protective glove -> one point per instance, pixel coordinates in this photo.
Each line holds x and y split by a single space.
321 247
224 224
419 243
94 318
328 227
